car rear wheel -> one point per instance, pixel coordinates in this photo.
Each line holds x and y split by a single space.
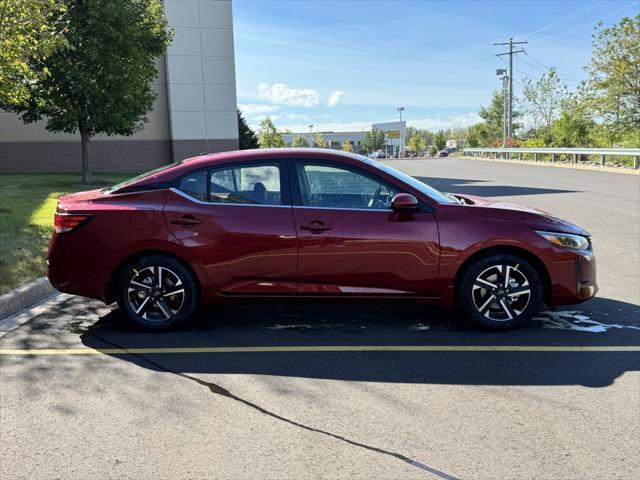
157 292
501 292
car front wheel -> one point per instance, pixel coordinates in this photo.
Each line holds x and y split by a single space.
157 292
501 292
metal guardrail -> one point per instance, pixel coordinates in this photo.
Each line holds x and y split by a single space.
576 153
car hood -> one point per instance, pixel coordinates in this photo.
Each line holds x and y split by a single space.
533 217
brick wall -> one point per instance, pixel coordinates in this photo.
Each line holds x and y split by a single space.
107 156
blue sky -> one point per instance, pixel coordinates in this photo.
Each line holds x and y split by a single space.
342 65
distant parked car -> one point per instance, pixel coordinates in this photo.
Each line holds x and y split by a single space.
442 153
377 154
241 226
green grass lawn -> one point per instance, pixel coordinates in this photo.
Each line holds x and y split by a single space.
27 204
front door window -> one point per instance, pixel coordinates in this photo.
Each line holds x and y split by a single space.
330 186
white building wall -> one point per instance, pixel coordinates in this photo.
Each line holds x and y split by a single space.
200 69
194 112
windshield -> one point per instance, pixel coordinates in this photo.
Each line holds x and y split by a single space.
118 186
417 184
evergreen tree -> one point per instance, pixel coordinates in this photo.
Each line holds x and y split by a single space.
246 137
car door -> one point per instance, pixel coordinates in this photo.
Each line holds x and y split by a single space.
237 222
349 239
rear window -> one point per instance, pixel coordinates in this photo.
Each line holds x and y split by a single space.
126 182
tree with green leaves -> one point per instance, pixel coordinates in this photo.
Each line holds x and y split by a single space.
439 140
102 83
319 141
543 101
347 146
373 140
612 93
417 139
571 130
268 135
475 135
300 141
30 31
493 119
613 88
489 132
246 137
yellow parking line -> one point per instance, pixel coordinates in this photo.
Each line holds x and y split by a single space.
320 348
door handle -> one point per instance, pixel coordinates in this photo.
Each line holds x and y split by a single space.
315 227
187 221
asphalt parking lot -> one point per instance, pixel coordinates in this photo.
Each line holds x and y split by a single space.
330 390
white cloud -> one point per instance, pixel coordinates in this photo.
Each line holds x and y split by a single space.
252 109
335 98
279 93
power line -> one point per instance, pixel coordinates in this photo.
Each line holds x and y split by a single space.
563 77
568 77
572 15
532 65
566 32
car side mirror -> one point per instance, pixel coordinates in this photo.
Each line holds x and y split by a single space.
404 202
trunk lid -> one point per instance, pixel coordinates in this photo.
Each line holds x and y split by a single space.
78 200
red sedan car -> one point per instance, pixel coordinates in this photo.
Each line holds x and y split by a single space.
310 223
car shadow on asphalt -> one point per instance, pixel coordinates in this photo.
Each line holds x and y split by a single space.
470 187
309 325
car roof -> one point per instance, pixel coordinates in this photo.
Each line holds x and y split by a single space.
266 153
210 160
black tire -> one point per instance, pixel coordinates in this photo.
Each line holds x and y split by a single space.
490 304
148 301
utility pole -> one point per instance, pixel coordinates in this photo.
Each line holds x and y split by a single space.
511 51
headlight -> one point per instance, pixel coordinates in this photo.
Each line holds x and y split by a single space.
575 242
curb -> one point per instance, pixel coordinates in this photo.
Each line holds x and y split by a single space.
24 296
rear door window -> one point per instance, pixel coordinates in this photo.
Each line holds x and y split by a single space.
246 184
195 185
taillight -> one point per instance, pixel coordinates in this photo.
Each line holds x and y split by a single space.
65 222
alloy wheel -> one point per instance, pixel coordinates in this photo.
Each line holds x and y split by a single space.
501 292
155 293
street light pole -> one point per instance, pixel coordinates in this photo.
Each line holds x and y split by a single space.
503 72
401 146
